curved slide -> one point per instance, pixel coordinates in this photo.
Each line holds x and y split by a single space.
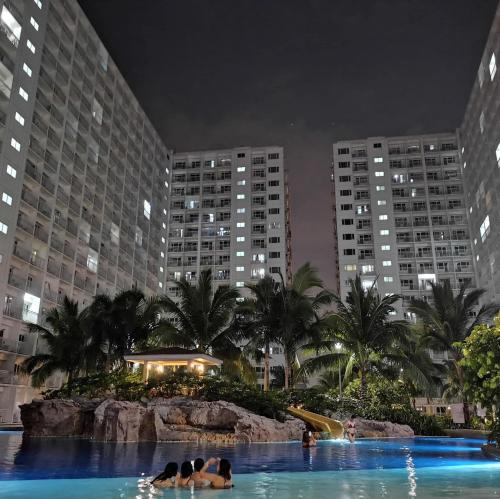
318 422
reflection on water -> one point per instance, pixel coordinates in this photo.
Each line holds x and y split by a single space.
72 458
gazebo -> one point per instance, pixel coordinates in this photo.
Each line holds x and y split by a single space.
174 358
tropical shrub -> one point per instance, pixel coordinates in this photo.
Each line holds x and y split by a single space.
122 385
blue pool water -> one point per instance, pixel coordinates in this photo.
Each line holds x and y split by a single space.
392 468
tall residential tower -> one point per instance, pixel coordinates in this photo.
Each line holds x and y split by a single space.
401 215
83 178
480 149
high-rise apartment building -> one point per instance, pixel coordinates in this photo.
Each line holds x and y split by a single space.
83 178
228 212
400 214
480 150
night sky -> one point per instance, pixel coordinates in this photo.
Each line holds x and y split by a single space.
296 73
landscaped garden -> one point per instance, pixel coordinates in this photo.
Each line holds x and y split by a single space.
362 361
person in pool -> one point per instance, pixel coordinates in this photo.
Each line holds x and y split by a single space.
168 477
185 479
308 439
350 427
199 481
223 478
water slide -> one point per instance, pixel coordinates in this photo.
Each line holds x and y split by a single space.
318 422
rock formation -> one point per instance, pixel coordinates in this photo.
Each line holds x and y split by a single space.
174 419
377 429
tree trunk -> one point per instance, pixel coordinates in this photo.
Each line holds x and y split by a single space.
266 368
363 389
287 372
466 412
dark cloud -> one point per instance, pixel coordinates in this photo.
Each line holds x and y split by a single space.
298 73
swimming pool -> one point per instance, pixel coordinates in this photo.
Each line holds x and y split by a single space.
393 468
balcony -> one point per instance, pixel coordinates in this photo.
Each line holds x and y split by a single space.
28 256
18 347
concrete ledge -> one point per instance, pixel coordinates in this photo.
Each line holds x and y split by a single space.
466 433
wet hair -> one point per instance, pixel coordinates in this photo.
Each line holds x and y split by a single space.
186 469
224 469
305 437
353 416
198 464
169 472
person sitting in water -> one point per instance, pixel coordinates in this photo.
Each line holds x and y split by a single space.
350 427
223 478
199 481
168 477
308 440
185 479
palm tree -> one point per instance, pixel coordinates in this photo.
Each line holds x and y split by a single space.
66 341
449 321
258 320
126 322
371 341
203 319
298 314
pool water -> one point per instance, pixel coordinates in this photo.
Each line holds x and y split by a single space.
392 468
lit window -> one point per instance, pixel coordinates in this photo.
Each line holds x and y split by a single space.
3 228
162 254
481 122
379 174
241 182
34 24
240 253
381 202
350 268
380 187
19 119
367 268
166 184
147 209
27 70
240 239
15 144
38 3
164 225
241 169
240 224
11 171
493 66
498 155
7 199
160 284
477 258
11 27
164 211
161 269
465 163
384 232
240 284
240 196
382 217
378 160
385 247
23 93
240 210
162 240
388 279
240 269
30 46
484 229
387 263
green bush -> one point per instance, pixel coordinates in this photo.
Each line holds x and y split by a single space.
123 385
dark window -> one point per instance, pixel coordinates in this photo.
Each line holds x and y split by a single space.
377 145
349 251
241 155
343 150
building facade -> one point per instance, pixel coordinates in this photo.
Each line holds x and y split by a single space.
229 213
480 164
83 178
400 215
